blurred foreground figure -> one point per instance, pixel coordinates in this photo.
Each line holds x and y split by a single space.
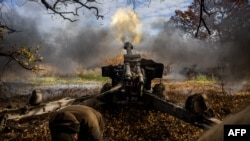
76 123
216 133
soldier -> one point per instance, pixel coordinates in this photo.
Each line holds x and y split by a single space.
216 133
76 123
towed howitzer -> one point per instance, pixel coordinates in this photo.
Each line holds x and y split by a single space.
132 81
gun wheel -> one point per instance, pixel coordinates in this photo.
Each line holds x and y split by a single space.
159 89
198 103
106 87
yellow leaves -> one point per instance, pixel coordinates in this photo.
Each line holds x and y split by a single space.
25 63
26 52
27 57
133 122
2 31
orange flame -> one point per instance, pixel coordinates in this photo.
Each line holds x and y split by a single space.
127 26
118 59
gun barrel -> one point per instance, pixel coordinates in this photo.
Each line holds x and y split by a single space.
84 98
139 72
128 46
128 73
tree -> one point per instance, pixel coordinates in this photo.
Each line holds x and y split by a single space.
24 56
228 22
203 18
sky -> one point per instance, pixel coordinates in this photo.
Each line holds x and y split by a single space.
148 12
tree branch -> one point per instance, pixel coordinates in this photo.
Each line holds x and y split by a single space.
15 55
202 9
10 30
54 8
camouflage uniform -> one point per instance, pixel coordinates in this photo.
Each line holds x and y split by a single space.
84 120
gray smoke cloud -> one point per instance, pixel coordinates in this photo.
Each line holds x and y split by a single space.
231 53
27 34
83 46
66 46
70 45
170 48
235 47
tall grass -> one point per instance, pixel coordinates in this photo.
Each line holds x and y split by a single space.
72 79
203 78
93 76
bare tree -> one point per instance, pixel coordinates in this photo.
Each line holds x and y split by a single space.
60 7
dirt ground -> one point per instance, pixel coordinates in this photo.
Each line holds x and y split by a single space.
135 122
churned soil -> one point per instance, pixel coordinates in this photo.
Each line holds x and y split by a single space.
135 122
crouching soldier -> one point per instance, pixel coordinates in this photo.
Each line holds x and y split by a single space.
76 123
